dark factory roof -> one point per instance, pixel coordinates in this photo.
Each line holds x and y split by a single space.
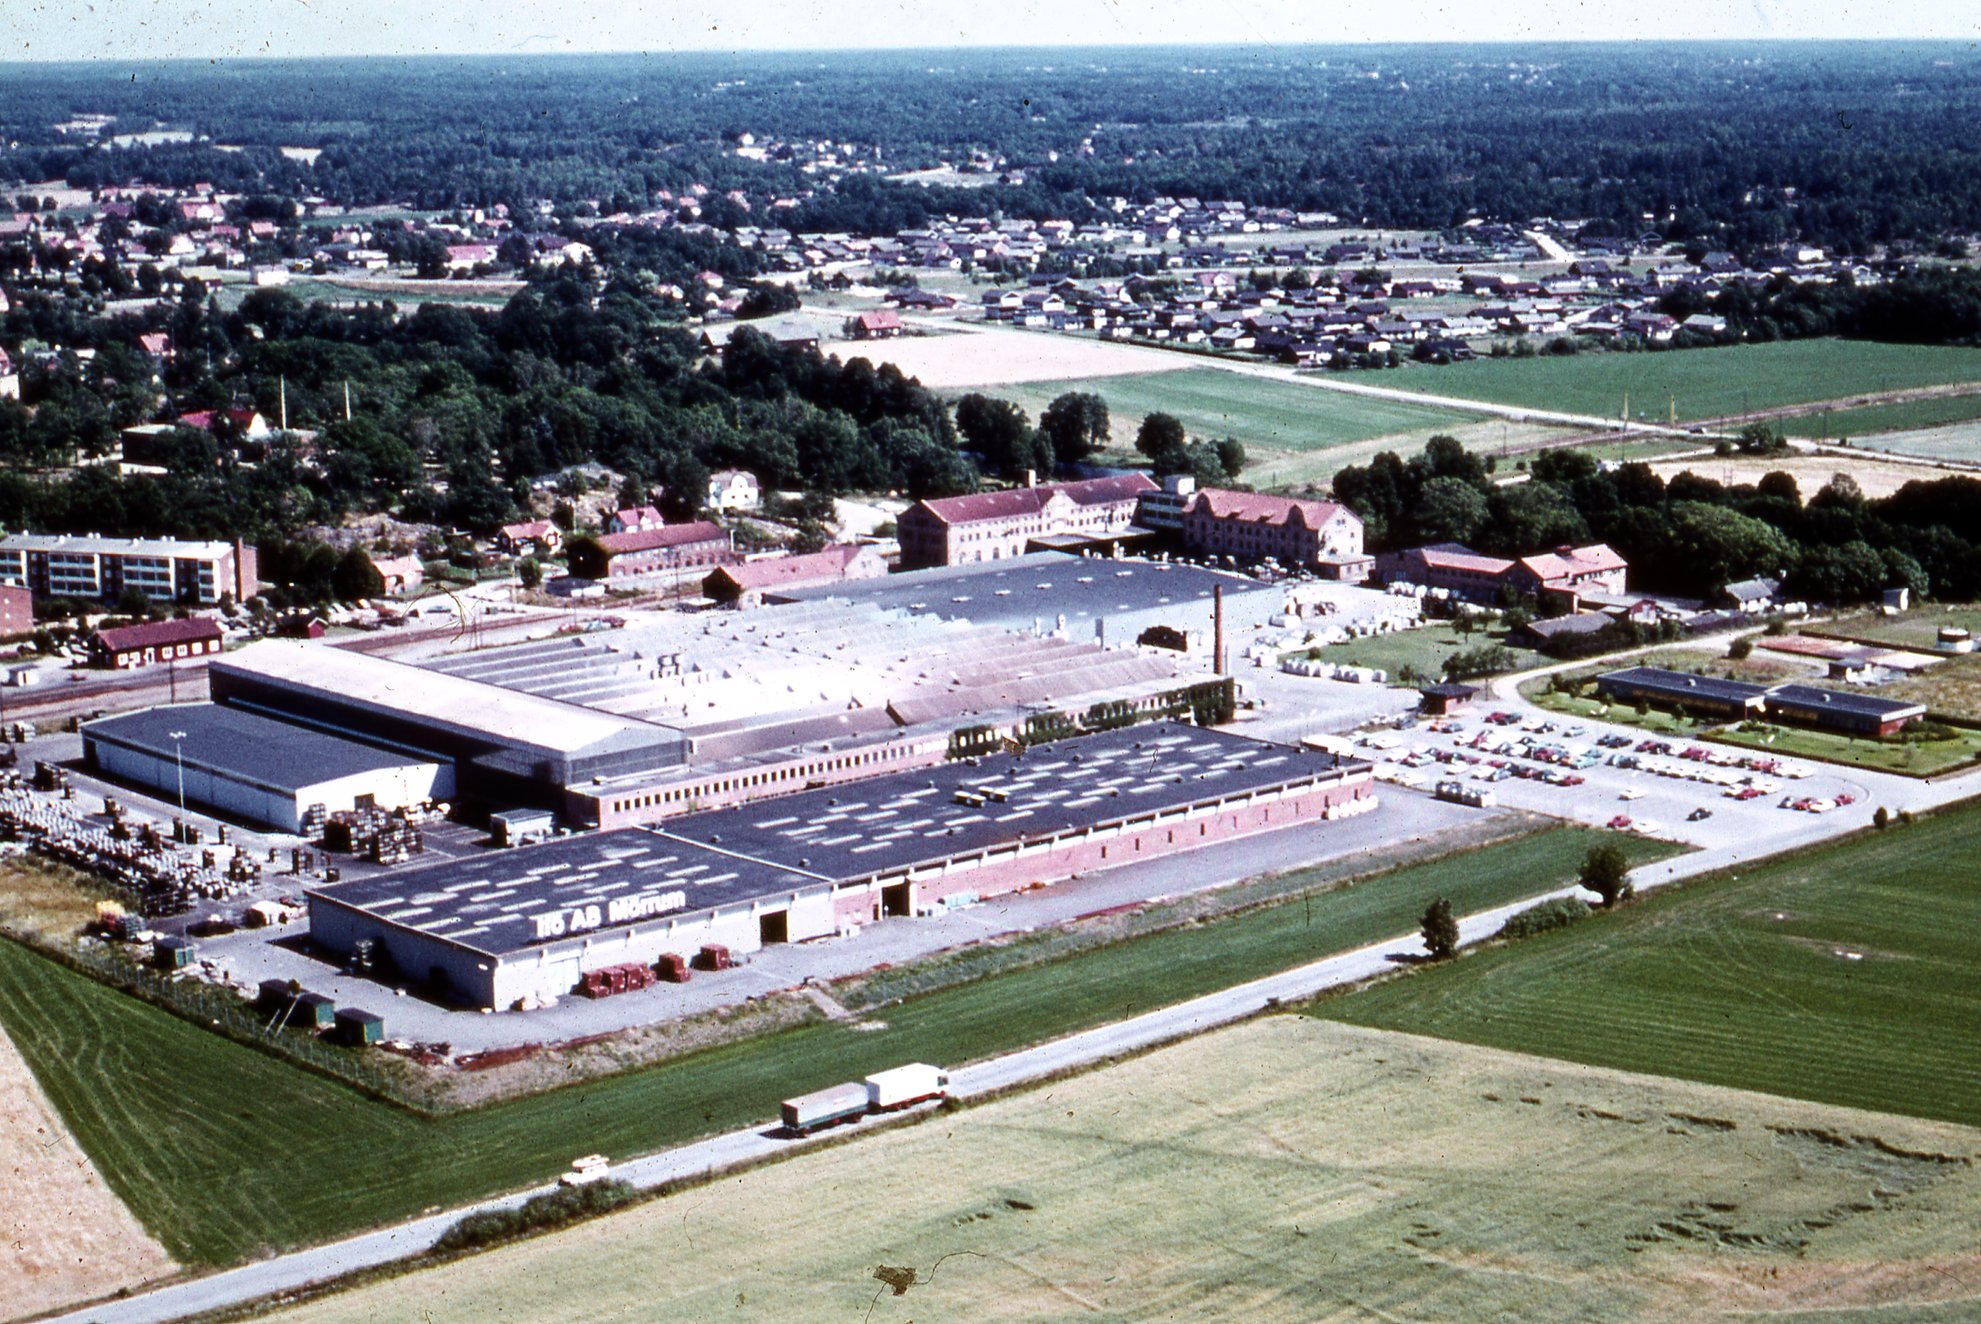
244 746
888 823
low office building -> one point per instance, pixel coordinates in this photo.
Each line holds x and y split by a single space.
1841 710
996 526
1701 695
101 569
125 646
254 769
1458 570
508 929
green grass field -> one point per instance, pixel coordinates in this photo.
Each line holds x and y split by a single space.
223 1152
1703 383
1924 758
1260 412
1425 650
1866 427
1286 1169
1849 974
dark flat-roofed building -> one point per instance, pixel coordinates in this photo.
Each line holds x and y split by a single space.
511 928
1699 694
253 768
1841 710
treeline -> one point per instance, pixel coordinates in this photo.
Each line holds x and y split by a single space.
1735 146
1933 306
1688 537
453 413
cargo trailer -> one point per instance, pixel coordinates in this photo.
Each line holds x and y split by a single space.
827 1107
903 1087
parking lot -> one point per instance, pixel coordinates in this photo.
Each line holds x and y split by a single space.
1605 775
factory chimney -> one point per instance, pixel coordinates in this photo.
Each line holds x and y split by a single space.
1217 628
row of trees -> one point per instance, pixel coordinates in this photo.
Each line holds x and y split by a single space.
1690 536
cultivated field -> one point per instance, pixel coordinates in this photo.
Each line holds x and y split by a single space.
223 1151
63 1236
1879 477
1259 411
1908 427
967 357
1703 383
1289 1170
1840 974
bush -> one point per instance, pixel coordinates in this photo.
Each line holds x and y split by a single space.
1881 819
1549 915
1740 649
541 1213
1440 930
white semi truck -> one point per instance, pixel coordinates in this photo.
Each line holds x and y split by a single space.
883 1092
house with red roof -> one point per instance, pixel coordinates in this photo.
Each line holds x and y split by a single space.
123 647
530 538
1596 569
634 519
1593 569
1253 526
994 526
754 583
880 324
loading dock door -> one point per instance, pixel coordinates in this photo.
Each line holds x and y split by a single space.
897 899
774 926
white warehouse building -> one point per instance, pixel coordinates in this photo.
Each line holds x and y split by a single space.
255 769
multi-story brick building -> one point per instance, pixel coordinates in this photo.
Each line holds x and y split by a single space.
164 569
1251 526
669 550
995 526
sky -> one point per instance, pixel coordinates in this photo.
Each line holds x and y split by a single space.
121 30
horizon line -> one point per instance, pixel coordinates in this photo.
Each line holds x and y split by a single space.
524 52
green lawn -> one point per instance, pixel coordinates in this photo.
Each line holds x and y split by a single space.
1747 980
1924 758
1210 402
223 1151
1919 628
1700 383
1425 650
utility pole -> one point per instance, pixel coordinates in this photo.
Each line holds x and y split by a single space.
179 756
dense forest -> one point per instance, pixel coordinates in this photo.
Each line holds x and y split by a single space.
1738 145
1688 536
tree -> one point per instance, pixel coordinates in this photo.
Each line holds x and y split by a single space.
528 572
355 577
1076 424
999 431
1605 871
1161 438
1449 510
1440 930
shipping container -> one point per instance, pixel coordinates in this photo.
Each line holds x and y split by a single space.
902 1087
827 1107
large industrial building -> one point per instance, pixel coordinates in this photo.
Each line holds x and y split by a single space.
509 929
253 768
502 744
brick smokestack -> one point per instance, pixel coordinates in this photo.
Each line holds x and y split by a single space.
1217 628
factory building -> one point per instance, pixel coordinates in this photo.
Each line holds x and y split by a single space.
254 769
501 744
510 929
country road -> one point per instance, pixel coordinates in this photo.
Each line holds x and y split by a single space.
289 1272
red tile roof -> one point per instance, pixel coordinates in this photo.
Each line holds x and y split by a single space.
155 634
1566 561
1029 500
1259 508
672 535
828 564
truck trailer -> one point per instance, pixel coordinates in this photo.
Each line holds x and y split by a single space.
827 1107
903 1087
